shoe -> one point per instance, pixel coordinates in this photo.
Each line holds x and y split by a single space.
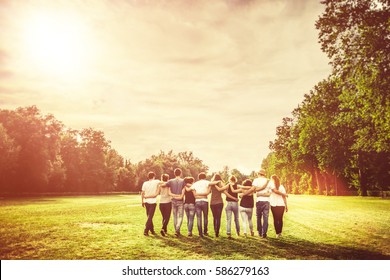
264 236
245 235
201 235
217 235
189 234
238 234
153 232
162 232
146 232
278 235
177 233
206 234
230 236
252 233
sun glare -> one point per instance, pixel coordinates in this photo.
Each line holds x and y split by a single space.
58 44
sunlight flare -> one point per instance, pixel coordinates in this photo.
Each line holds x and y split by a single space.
58 44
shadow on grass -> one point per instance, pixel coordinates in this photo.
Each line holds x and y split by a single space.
256 248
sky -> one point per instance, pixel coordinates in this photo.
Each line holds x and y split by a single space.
212 77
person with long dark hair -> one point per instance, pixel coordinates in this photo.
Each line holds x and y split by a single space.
232 206
216 202
278 202
189 204
246 208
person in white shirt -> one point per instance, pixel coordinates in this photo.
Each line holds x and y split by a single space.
262 202
202 189
165 205
149 200
278 202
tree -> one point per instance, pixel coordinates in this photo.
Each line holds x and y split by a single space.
37 136
9 152
355 35
94 148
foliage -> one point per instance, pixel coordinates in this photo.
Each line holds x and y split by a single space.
340 133
39 154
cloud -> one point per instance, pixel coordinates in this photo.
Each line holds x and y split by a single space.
212 77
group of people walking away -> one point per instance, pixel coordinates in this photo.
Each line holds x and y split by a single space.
184 195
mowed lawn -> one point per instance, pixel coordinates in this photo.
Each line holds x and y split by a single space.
111 227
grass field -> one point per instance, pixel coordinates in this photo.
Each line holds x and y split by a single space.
111 228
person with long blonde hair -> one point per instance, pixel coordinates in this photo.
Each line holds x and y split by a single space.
278 202
216 202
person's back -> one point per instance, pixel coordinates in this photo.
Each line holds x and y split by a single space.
201 186
216 197
150 188
176 190
176 185
259 182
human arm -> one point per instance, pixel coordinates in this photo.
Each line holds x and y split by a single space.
183 191
213 183
248 191
266 194
285 203
230 196
260 188
158 191
222 187
142 198
208 191
280 193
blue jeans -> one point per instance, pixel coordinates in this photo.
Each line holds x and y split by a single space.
232 207
216 209
246 217
190 213
178 211
202 207
262 211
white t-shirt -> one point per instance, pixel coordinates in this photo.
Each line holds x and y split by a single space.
276 199
201 186
259 182
150 188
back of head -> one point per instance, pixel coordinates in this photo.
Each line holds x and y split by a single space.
165 177
151 175
233 179
276 181
189 180
202 176
177 172
247 182
217 177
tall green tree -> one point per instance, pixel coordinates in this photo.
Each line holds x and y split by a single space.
355 35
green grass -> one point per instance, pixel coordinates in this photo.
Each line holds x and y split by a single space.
111 227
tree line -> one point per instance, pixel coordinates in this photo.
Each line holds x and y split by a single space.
39 154
337 139
339 136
